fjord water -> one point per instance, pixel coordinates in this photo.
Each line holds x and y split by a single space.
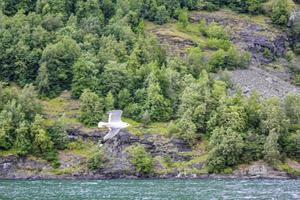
149 189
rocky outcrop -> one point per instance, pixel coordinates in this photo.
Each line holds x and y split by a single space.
263 82
118 163
174 45
259 169
264 42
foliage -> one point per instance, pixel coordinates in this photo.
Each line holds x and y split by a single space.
91 107
226 149
183 18
58 133
280 12
141 159
96 159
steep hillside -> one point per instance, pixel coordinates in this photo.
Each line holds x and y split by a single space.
269 72
208 87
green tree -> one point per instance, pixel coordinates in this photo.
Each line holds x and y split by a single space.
226 149
291 145
195 98
85 75
96 159
6 130
124 98
217 60
91 108
292 108
42 81
187 130
183 18
253 107
58 59
273 117
146 119
281 12
109 101
271 147
159 108
58 133
23 140
41 144
30 105
141 159
162 15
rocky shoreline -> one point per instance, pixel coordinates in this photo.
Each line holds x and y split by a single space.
118 165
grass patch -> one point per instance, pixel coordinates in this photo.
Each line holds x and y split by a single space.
12 151
287 168
80 148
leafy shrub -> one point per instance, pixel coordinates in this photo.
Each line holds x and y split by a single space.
96 159
91 107
267 53
291 145
216 31
141 159
297 48
172 128
215 44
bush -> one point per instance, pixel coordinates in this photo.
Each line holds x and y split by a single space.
58 134
297 48
172 128
162 15
226 149
96 160
216 31
281 12
291 145
217 60
91 107
215 44
142 160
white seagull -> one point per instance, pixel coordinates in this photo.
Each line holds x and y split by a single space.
114 124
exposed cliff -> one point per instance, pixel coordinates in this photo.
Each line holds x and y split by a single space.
269 72
118 165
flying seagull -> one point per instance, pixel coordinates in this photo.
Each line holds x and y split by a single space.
114 124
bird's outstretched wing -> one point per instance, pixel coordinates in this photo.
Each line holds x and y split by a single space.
115 116
112 133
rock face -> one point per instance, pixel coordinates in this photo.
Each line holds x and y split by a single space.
174 45
118 163
263 82
264 42
260 169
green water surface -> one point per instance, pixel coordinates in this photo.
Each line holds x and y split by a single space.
149 189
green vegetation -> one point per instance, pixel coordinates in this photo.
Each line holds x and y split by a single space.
96 159
100 52
141 159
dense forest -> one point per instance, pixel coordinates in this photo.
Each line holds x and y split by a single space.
100 52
